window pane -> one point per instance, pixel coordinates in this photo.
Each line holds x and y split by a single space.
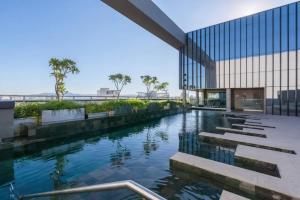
207 47
222 41
212 43
284 28
292 26
276 100
243 37
269 32
238 38
262 33
269 99
292 101
202 32
227 40
277 30
194 58
189 57
203 81
256 35
298 25
249 36
217 42
232 40
198 60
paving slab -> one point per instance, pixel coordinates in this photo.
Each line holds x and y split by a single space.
258 125
231 196
242 132
287 164
235 139
279 149
254 183
248 126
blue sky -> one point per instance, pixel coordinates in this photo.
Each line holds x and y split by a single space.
99 39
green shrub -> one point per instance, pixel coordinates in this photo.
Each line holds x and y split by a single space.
27 110
113 105
59 105
35 109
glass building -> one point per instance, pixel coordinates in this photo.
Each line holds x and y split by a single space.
255 57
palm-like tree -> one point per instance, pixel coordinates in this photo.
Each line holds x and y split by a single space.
149 82
120 80
60 68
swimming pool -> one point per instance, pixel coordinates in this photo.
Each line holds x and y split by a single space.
140 153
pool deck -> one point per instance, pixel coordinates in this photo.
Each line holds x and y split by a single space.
280 148
230 196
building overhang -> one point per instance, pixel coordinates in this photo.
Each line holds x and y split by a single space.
149 16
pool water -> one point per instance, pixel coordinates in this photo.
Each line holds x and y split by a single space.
140 153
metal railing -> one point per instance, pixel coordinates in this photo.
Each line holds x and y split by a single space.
45 98
128 184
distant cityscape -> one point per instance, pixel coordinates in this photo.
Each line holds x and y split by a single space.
102 92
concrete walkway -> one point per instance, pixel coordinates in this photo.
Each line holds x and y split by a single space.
279 148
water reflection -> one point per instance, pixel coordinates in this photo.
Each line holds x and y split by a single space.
57 175
189 141
140 152
183 185
121 154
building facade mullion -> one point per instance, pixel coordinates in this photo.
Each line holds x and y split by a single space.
256 56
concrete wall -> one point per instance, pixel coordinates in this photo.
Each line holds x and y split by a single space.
51 116
97 124
6 119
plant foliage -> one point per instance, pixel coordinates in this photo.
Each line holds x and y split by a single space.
35 109
60 69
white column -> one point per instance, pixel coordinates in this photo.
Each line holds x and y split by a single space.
184 97
228 100
197 98
6 119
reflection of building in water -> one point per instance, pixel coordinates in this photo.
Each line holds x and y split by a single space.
189 142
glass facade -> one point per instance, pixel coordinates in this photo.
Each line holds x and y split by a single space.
256 51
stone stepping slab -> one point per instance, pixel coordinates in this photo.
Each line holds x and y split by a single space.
242 132
248 126
235 139
231 196
258 125
254 183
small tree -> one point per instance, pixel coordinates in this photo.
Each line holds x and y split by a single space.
60 68
150 82
120 80
162 86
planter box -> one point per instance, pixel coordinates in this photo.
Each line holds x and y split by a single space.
53 116
97 115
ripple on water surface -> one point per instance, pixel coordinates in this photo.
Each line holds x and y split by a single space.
140 153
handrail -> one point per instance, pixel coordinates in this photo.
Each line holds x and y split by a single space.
45 98
129 184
